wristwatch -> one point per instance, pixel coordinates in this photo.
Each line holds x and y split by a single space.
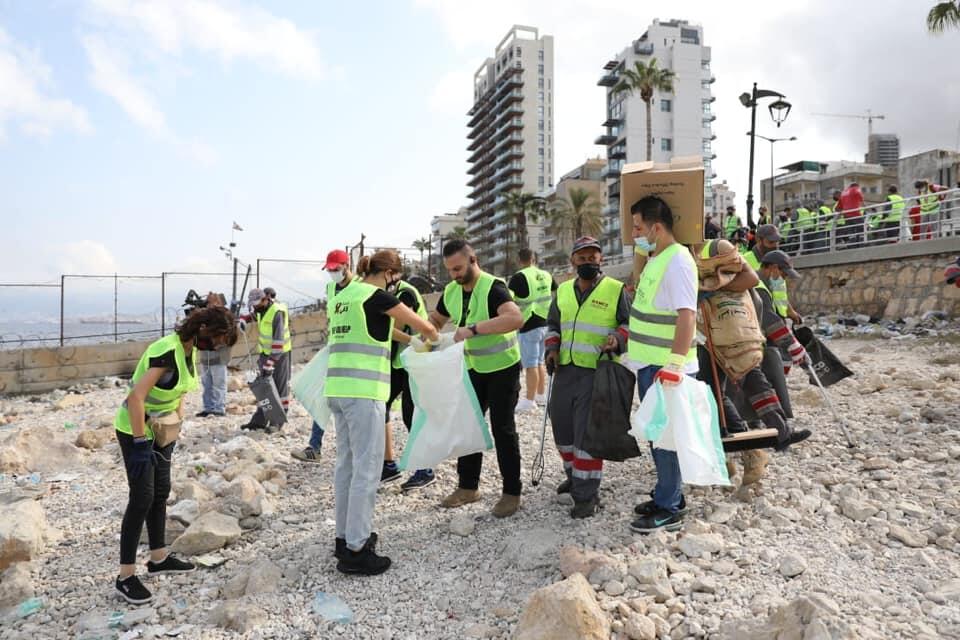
473 329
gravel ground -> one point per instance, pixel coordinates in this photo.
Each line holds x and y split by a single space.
874 529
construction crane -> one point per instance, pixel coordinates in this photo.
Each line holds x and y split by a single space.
869 118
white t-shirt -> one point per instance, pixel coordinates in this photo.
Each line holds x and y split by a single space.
678 290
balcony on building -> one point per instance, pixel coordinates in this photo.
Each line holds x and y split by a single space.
605 139
608 79
642 48
613 121
612 170
612 208
618 152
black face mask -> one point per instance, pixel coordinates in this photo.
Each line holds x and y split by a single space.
392 286
588 271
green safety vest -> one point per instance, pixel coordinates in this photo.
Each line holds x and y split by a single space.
584 327
749 256
266 328
652 330
826 218
538 296
421 311
897 205
487 353
786 227
731 224
805 219
161 401
781 299
929 205
875 218
359 365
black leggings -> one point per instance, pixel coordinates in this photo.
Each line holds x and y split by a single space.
147 501
400 388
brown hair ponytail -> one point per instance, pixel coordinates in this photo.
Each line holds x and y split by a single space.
383 260
215 321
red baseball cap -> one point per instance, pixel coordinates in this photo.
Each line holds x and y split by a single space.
336 258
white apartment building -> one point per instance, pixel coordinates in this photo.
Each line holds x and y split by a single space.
722 198
681 120
511 137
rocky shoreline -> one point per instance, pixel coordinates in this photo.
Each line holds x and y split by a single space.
833 543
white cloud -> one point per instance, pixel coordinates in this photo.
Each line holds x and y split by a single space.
82 257
226 29
451 94
23 78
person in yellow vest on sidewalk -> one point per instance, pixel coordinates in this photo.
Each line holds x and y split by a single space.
358 386
532 290
275 346
806 225
166 372
661 342
589 317
894 219
400 388
487 320
929 207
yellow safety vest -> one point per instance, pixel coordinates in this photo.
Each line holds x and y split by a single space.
486 353
359 365
266 328
421 311
538 298
897 205
584 327
652 330
929 205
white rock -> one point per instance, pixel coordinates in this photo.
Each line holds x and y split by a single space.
907 536
792 565
185 511
614 588
563 611
209 532
463 524
695 546
640 628
23 532
530 549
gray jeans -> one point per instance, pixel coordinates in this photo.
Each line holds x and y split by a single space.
360 442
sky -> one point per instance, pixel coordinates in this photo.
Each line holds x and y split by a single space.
133 133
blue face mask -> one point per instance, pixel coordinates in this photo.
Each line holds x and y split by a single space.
644 244
778 284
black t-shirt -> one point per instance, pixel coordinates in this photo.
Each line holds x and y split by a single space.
406 297
375 308
518 284
168 361
499 294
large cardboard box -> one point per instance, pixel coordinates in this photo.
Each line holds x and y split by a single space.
679 183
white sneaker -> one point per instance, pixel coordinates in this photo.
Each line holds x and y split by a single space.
541 399
524 405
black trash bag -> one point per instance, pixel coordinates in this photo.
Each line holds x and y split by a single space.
268 399
607 434
826 365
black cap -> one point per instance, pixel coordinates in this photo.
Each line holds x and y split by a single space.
782 260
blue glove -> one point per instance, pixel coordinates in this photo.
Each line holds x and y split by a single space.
141 458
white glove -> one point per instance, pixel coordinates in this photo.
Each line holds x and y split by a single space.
446 341
419 345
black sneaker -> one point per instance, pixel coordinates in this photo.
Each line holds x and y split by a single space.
340 547
390 473
797 435
251 426
365 562
133 591
585 509
648 507
420 479
217 414
564 487
659 519
170 564
203 414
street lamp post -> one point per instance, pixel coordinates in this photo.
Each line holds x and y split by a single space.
773 189
779 110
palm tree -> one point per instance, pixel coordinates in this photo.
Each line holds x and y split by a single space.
943 16
578 214
522 208
458 233
422 244
646 78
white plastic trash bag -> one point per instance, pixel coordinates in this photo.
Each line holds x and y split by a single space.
307 387
447 420
684 418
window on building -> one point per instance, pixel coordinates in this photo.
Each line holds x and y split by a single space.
706 146
539 96
540 54
540 182
666 105
518 52
706 106
666 144
705 65
540 83
540 69
539 138
704 84
540 151
540 111
540 166
540 125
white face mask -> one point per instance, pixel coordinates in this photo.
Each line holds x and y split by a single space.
337 276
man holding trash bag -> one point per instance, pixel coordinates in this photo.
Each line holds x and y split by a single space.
661 343
588 317
275 346
487 320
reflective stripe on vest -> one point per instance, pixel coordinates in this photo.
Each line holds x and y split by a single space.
421 311
487 353
359 365
161 401
538 298
897 205
266 328
584 327
652 330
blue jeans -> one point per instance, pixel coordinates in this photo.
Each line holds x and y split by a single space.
316 436
214 378
532 350
669 488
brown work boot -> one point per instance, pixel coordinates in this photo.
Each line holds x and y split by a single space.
506 506
754 466
460 497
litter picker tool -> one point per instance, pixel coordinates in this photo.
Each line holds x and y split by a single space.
826 399
536 470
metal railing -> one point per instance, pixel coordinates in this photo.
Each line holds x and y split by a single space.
924 217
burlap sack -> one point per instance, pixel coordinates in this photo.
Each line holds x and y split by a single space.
734 331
